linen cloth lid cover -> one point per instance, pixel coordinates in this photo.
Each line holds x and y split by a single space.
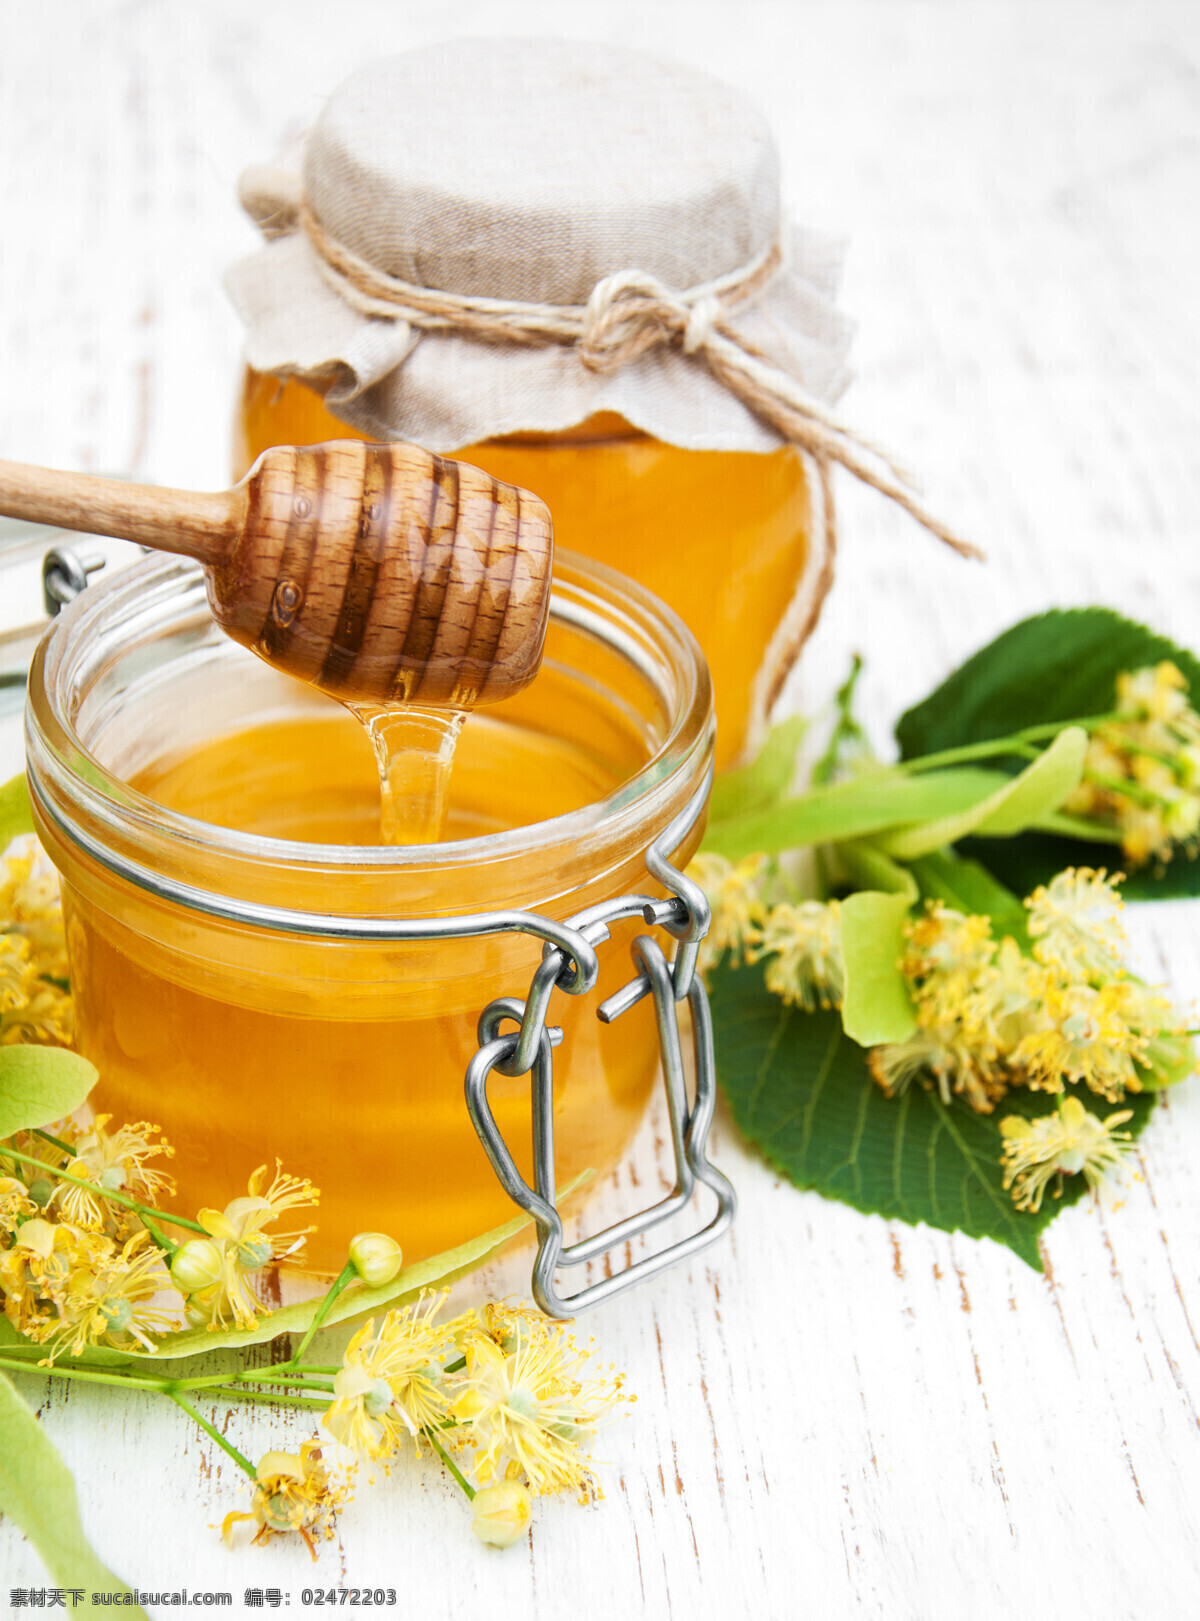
530 170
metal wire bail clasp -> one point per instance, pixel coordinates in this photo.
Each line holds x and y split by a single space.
684 914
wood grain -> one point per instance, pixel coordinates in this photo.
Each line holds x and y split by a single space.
836 1417
316 543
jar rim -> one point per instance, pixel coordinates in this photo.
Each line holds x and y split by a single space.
67 777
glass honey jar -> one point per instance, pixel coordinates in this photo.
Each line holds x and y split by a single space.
528 255
248 959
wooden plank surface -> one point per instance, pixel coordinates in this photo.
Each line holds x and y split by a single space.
836 1417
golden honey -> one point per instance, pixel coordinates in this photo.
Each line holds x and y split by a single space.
722 537
192 798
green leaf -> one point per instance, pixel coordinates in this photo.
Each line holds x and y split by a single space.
798 1087
868 868
853 809
39 1085
38 1496
1022 864
876 1005
1058 666
1077 827
971 889
1017 803
353 1304
15 815
765 779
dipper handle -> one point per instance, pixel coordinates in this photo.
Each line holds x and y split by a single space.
380 573
184 521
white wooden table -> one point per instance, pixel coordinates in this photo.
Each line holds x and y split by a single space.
837 1416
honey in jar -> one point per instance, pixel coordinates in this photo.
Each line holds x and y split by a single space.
217 829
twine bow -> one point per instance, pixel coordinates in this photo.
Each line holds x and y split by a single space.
628 315
631 313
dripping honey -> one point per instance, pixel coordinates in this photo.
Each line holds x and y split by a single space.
722 537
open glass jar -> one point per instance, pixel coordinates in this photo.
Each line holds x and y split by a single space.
216 825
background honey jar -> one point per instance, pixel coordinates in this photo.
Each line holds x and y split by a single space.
442 193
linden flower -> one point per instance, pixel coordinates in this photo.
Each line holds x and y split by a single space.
115 1163
14 971
246 1246
108 1301
945 955
1083 1038
1004 1001
40 1184
31 907
390 1382
966 1005
529 1409
1158 695
36 1273
804 943
507 1323
1142 768
15 1204
1060 1144
295 1494
33 1011
1075 924
734 893
945 1056
1168 1052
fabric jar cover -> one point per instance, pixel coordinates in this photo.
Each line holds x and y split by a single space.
529 170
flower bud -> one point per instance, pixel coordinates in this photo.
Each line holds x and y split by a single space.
195 1265
198 1312
42 1191
376 1258
501 1514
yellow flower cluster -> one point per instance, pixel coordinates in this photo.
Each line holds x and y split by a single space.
84 1263
990 1018
734 893
800 941
504 1384
215 1273
76 1268
1063 1143
1142 771
35 1005
802 945
79 1266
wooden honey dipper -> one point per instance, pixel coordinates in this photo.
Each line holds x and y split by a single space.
380 573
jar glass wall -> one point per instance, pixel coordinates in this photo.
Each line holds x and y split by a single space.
181 787
723 537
